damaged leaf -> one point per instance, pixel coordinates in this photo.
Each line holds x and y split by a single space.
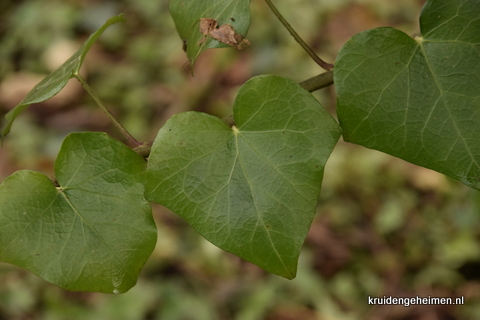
224 33
207 25
187 14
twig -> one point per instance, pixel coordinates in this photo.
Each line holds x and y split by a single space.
318 82
325 65
119 126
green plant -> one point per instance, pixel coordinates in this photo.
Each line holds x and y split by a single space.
249 184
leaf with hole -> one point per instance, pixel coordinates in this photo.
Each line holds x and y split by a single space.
92 233
251 189
55 81
417 99
187 15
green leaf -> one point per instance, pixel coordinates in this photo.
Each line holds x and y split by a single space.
251 189
417 99
55 81
95 231
187 14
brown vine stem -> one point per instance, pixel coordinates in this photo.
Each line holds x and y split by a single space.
318 82
325 65
97 100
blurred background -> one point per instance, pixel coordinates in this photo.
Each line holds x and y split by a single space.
383 226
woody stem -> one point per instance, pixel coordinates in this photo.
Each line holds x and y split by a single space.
318 82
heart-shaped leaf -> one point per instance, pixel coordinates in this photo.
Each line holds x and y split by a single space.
417 99
92 233
55 81
251 189
187 15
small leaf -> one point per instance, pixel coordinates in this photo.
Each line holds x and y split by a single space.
417 99
251 190
94 232
55 81
187 15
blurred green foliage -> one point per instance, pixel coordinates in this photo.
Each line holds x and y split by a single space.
383 227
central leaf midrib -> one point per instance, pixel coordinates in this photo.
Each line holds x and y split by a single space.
237 154
280 258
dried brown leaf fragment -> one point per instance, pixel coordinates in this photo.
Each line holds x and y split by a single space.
224 33
207 25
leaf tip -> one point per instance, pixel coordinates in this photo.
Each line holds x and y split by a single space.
120 18
5 131
290 275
